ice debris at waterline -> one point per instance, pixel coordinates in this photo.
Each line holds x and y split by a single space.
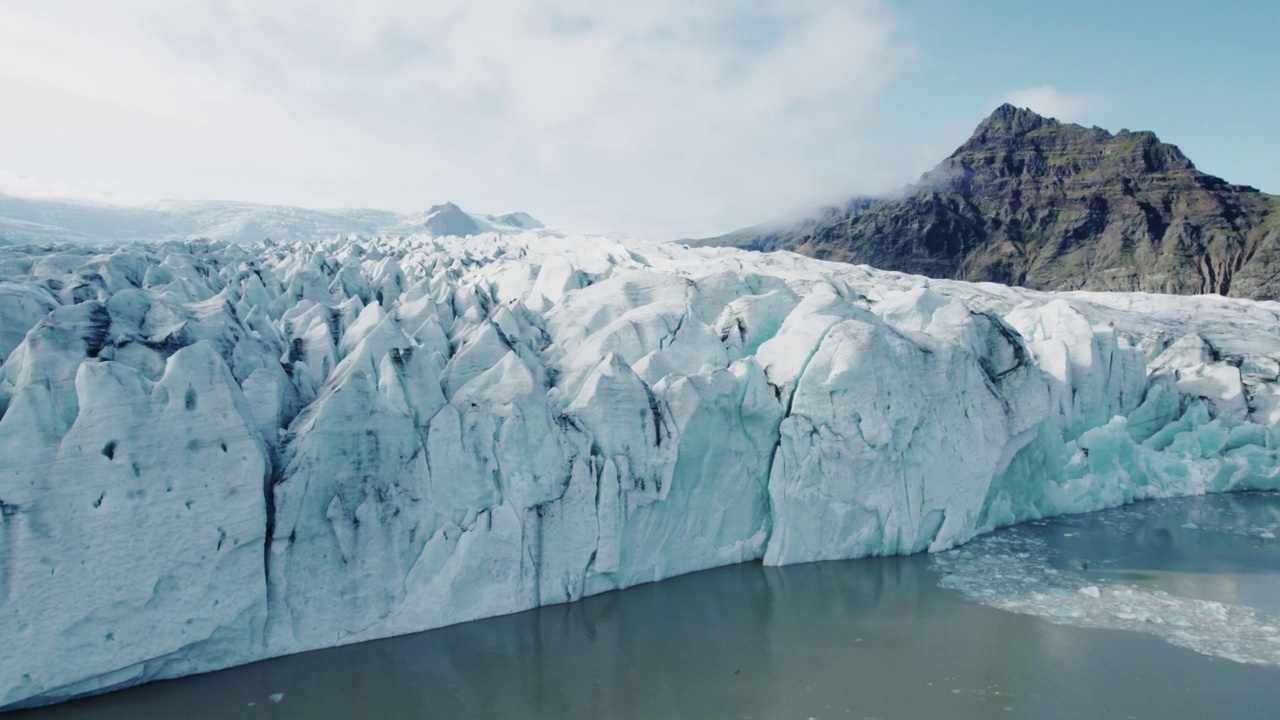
212 454
1020 571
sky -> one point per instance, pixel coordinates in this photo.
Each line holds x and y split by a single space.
664 118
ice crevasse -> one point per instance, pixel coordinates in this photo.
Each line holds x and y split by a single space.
214 453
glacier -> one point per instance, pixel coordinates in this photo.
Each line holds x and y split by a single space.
213 453
35 220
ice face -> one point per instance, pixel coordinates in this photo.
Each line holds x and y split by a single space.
215 453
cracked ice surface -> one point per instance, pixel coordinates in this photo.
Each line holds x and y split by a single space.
213 453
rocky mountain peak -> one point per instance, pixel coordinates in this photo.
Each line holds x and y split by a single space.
1011 121
1029 200
1145 149
1016 142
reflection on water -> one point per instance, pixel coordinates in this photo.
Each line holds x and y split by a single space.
1218 547
874 638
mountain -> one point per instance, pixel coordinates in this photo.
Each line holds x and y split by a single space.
449 219
778 234
28 220
524 221
1031 201
213 453
34 220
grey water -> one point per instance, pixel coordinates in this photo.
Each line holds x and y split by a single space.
1217 547
876 638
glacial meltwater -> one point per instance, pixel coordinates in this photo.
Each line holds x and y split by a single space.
1164 609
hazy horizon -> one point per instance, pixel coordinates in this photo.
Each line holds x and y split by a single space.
665 120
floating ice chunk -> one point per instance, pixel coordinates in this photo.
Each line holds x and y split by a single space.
1023 583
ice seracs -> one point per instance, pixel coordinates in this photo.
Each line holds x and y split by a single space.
213 453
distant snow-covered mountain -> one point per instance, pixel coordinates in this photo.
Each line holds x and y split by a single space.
449 219
30 220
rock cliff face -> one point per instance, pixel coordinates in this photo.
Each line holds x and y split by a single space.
1030 201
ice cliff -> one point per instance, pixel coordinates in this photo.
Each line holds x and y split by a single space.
215 453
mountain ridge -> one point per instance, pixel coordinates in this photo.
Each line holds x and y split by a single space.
37 220
1029 200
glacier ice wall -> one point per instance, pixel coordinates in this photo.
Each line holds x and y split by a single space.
212 453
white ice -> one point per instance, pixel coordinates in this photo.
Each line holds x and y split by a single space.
215 453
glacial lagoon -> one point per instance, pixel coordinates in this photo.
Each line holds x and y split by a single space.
1083 616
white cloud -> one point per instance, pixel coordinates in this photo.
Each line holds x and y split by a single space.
661 117
1052 102
11 183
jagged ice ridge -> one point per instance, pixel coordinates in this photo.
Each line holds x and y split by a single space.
215 453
